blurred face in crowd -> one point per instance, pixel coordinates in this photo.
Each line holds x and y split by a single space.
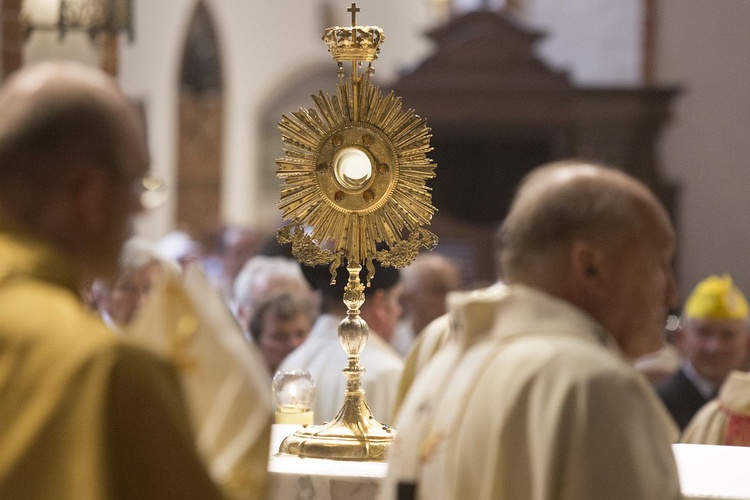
425 285
280 336
714 347
384 311
130 291
267 286
425 305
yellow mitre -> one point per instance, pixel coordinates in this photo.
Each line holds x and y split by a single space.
716 297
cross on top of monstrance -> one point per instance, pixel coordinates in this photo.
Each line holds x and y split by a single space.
354 176
353 9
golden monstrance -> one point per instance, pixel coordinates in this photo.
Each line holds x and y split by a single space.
354 176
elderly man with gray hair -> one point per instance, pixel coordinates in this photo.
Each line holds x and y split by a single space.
534 397
261 278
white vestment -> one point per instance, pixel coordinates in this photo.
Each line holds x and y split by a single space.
530 399
322 355
428 343
726 419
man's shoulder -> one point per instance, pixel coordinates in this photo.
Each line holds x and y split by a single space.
566 363
34 311
553 374
51 324
545 347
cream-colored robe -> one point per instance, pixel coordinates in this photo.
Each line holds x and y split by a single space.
424 348
227 387
84 415
428 343
532 400
726 419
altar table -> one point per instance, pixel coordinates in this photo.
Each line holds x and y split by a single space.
706 473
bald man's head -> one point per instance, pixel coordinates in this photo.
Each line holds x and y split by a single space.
54 111
598 239
71 150
426 283
562 201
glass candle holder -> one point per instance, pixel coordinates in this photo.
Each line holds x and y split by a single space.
294 392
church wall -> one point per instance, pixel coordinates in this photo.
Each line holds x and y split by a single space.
262 44
599 42
149 69
700 45
704 46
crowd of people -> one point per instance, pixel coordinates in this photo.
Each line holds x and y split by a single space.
137 369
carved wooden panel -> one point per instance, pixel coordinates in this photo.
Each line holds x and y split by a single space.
497 111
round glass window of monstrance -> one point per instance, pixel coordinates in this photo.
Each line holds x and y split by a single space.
352 168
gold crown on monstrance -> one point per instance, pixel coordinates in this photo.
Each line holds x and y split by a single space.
354 43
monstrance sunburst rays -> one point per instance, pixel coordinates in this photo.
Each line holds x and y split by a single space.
389 206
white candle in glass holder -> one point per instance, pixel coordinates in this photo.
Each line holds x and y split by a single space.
294 392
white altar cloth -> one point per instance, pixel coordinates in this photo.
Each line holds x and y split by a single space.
707 472
295 478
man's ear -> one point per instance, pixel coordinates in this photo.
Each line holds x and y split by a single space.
88 190
587 267
75 206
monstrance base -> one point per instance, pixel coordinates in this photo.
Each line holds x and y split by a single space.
353 435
